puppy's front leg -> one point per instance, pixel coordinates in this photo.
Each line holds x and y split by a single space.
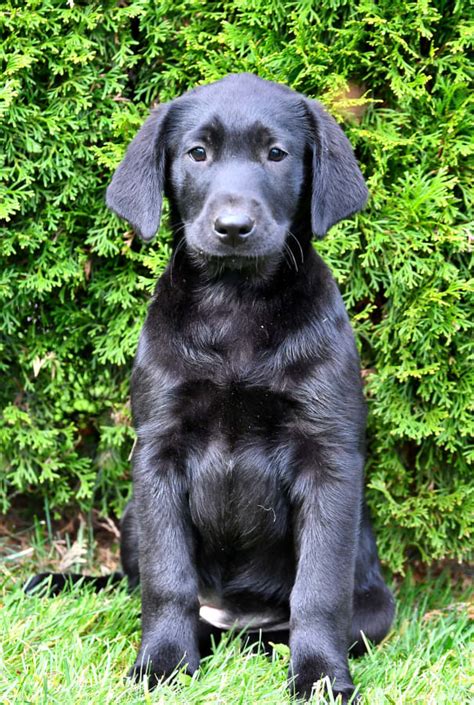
325 518
169 584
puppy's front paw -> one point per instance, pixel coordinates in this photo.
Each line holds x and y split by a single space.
307 674
304 688
162 662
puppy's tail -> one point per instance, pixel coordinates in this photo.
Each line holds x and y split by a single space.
51 584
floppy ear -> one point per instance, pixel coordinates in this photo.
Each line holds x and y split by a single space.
338 188
136 190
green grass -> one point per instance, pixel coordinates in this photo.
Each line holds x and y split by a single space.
76 649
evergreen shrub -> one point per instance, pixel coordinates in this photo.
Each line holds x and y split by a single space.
79 78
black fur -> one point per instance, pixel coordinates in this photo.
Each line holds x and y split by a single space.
246 388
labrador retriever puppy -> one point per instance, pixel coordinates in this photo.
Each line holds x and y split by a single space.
248 504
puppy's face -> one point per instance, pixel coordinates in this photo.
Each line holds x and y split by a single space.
237 163
235 157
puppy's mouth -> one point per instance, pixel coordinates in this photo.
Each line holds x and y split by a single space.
239 262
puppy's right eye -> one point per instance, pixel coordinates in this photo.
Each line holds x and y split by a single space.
198 154
276 154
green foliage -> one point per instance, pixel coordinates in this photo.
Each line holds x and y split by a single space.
79 79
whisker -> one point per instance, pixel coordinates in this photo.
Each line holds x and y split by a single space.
287 248
298 243
178 224
290 261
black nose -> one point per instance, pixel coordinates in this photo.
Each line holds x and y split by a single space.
233 228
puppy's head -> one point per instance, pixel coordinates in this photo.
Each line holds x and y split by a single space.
236 158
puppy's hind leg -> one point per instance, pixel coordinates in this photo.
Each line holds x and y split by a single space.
129 545
373 606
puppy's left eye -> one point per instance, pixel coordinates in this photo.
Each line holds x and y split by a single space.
276 154
198 154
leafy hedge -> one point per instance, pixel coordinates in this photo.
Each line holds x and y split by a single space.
79 78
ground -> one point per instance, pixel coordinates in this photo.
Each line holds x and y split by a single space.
75 649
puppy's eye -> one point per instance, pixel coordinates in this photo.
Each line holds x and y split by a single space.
198 154
276 154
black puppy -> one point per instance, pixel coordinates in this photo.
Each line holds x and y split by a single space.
248 501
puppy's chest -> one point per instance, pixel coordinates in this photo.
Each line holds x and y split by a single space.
229 339
236 494
233 410
233 421
235 442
